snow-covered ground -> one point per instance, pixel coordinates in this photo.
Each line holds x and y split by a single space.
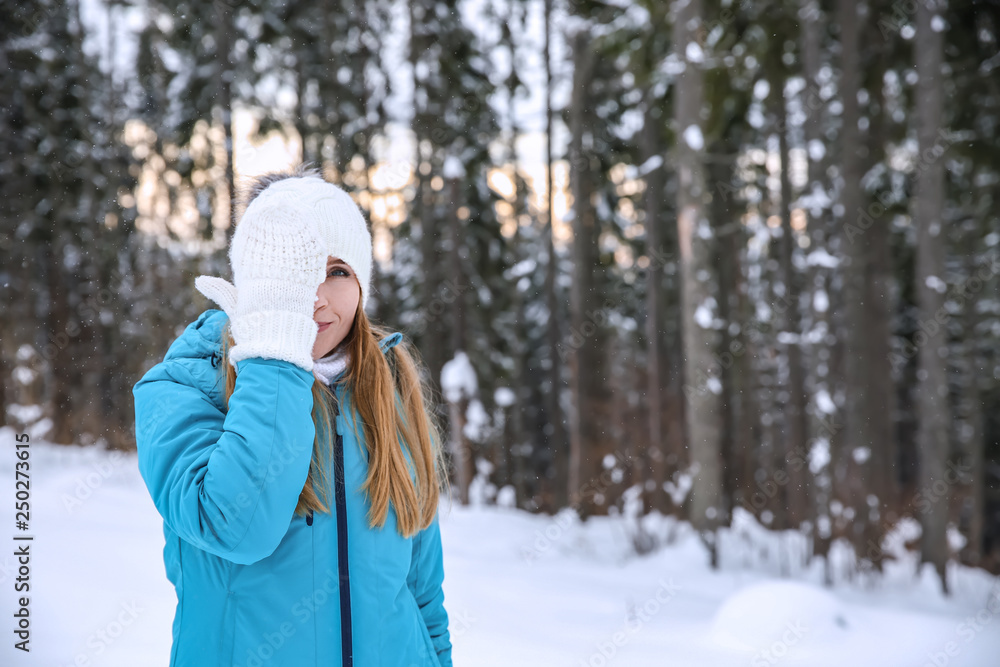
520 589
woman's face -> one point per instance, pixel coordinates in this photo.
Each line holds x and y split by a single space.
336 303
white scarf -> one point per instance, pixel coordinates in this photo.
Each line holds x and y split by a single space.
332 365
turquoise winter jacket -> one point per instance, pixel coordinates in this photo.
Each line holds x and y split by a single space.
257 585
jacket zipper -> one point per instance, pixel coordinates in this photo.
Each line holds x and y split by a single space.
347 657
346 640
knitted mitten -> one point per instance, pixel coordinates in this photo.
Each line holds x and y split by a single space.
278 263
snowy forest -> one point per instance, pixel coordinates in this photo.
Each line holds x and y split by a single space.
690 259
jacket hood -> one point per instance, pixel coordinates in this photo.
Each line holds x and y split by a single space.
201 338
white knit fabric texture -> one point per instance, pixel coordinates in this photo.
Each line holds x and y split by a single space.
331 365
278 261
342 227
278 255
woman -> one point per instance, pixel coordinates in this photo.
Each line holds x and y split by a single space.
294 537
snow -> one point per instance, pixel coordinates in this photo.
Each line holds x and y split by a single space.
678 492
761 89
650 165
936 284
824 402
458 378
453 168
821 302
819 455
26 414
694 53
476 421
794 610
704 314
704 232
504 397
672 65
817 150
481 490
816 201
522 268
693 138
519 588
507 497
23 375
820 257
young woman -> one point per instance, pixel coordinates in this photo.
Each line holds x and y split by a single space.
286 444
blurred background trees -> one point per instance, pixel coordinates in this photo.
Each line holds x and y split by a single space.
700 258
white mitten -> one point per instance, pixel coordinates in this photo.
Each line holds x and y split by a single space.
278 263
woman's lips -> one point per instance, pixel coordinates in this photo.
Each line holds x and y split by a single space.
323 325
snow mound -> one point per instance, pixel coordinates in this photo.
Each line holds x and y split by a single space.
783 612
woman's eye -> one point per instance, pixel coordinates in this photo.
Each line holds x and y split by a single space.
336 271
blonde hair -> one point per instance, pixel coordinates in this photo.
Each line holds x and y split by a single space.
391 402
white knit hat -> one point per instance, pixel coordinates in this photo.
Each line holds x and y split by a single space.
342 227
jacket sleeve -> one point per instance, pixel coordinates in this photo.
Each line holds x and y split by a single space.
425 581
228 483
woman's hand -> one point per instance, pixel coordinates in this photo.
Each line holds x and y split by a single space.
278 263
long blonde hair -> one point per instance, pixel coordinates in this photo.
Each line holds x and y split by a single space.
390 400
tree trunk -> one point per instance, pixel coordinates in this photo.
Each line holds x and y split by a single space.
56 348
702 383
557 436
820 226
656 497
465 467
973 421
729 236
309 154
589 441
433 333
224 35
459 446
853 464
882 503
797 488
928 203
